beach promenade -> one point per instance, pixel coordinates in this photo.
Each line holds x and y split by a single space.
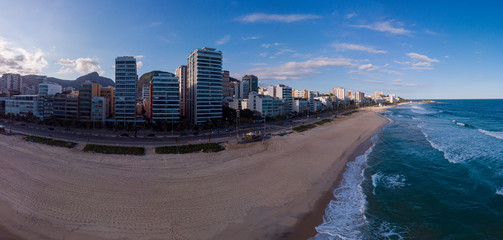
253 191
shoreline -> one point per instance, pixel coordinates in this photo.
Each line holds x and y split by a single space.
257 191
305 227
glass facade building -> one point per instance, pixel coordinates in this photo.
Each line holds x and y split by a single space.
126 79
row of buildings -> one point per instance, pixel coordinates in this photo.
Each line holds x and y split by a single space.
197 91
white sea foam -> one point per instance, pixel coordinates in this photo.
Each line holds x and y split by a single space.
498 135
345 216
460 124
499 191
389 231
436 146
388 181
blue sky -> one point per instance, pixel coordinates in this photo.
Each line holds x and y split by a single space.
416 49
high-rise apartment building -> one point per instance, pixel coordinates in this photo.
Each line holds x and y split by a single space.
359 97
12 82
204 88
304 94
126 79
339 93
244 89
47 89
252 82
181 73
87 92
226 88
165 102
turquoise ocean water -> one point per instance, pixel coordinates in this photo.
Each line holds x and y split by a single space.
434 172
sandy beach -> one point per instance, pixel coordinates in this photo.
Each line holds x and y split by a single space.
253 191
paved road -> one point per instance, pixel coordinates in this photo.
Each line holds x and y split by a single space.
107 137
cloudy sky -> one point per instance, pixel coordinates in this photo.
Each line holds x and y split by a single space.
416 49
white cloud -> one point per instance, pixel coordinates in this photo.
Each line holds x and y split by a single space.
87 65
66 62
299 70
250 38
368 67
373 81
268 45
79 65
422 58
65 70
391 72
139 64
355 47
223 40
263 17
402 84
419 62
19 60
386 26
263 54
139 56
350 15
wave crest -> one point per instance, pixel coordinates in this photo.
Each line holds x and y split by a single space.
498 135
388 181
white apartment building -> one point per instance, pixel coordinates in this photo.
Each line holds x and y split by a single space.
126 79
339 93
48 89
165 101
22 105
285 94
267 106
204 88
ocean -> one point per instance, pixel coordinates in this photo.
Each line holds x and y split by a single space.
434 172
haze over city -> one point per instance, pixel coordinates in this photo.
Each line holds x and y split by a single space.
414 49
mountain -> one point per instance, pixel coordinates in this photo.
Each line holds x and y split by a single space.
93 77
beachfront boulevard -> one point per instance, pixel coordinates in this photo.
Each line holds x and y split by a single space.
128 138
